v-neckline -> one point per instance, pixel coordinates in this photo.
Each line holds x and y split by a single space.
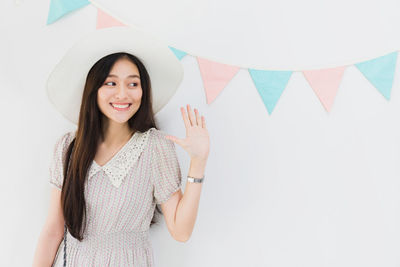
116 154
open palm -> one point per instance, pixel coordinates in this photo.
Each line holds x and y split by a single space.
197 141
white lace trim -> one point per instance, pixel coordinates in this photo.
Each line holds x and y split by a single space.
118 166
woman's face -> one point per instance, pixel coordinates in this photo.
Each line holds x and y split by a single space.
120 95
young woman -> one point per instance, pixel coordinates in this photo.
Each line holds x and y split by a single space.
110 174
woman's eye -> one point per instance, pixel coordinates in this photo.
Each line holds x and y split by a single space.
113 83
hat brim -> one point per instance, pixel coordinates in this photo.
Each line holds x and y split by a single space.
66 82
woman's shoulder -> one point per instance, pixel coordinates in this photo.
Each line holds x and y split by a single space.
65 139
157 134
158 139
69 136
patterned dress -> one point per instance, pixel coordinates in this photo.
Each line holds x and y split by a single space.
120 200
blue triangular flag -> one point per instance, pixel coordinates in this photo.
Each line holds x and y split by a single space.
270 85
59 8
178 53
380 72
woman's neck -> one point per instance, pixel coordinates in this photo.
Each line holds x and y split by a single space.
116 134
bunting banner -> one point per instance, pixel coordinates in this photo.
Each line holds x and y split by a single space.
59 8
104 20
380 72
215 77
325 84
178 53
270 84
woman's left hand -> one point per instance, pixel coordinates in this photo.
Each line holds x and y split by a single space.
197 141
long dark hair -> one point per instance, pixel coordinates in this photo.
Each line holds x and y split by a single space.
83 147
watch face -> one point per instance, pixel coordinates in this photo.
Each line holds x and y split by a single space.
195 180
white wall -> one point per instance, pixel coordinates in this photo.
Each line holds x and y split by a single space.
300 187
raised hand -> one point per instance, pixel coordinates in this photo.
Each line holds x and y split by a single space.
197 141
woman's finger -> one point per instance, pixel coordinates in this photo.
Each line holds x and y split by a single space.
191 117
203 122
198 118
185 118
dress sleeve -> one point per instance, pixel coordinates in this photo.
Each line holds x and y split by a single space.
57 162
166 172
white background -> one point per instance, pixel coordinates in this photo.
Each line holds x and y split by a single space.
300 187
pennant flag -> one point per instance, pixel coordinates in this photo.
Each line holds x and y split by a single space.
325 84
59 8
104 20
178 53
215 77
270 85
380 72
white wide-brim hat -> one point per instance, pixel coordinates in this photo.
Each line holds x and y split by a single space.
66 82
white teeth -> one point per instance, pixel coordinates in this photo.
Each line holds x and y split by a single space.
120 106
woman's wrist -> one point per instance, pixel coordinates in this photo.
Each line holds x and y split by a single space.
197 167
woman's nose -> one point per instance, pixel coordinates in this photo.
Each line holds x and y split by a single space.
121 91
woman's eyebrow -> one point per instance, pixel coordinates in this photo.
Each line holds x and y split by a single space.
130 76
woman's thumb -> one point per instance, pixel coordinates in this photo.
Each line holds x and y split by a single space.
173 139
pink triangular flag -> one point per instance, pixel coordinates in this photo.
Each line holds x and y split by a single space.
215 77
104 20
325 84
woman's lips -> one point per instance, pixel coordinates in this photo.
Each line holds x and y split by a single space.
121 109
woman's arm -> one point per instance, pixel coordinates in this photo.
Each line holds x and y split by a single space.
179 211
51 234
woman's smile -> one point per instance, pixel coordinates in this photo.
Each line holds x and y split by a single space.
121 107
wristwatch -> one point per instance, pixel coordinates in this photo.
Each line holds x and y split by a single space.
195 180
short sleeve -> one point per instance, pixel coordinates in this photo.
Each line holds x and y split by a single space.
57 161
166 172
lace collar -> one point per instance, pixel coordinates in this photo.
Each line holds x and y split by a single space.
118 166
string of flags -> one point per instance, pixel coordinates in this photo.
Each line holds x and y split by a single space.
270 84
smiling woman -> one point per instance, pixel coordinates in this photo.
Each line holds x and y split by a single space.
111 173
